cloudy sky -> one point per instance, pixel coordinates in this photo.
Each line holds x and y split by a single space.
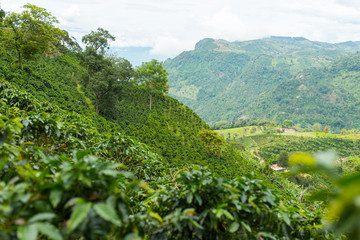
172 26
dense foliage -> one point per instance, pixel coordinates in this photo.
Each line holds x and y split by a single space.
62 179
71 170
327 95
88 82
234 81
343 147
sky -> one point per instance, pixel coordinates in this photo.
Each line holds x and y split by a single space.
168 27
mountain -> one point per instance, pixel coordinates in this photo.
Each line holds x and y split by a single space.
220 79
328 95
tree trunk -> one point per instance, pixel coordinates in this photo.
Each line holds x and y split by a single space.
150 100
97 105
97 108
19 59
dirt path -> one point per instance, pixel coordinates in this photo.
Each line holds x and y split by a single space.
255 152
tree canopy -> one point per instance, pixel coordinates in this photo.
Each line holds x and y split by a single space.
31 32
98 40
152 76
105 74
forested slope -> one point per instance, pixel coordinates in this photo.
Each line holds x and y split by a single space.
328 95
219 79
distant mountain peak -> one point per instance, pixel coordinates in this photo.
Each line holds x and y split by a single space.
205 44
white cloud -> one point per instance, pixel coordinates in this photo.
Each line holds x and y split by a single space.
170 27
168 46
226 25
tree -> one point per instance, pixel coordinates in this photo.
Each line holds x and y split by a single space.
70 43
31 32
283 159
212 141
98 41
2 15
326 130
105 75
94 55
108 81
317 128
288 123
236 136
152 76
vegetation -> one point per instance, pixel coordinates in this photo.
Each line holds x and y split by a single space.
327 96
72 166
272 78
62 179
31 31
153 78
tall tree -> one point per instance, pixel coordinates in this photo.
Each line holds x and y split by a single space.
106 83
31 31
105 75
98 41
152 76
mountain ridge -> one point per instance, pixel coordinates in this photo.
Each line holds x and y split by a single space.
219 79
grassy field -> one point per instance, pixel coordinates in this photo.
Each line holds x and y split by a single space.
235 133
241 132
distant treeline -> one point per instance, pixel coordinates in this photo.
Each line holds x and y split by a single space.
242 123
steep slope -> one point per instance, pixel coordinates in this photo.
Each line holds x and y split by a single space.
62 179
171 129
327 95
219 79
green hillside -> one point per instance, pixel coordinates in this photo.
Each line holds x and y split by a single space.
328 95
92 148
62 179
171 129
68 79
219 79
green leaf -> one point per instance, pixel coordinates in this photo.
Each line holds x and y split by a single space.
198 198
29 232
286 218
42 217
74 201
49 230
78 215
196 224
107 213
234 227
55 197
80 154
156 216
228 215
189 198
261 235
132 236
247 227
